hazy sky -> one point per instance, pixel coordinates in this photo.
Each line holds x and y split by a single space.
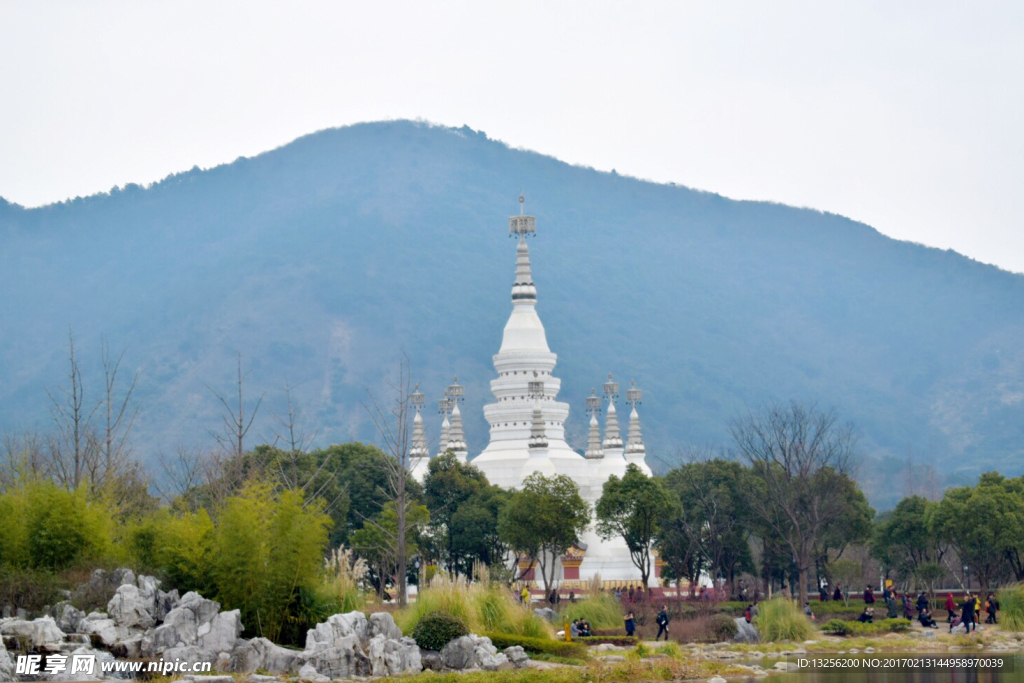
908 118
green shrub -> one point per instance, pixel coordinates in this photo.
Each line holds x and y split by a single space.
624 641
601 611
894 625
837 627
1011 603
437 629
781 619
722 626
43 526
559 648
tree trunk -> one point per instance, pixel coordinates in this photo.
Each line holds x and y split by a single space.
801 579
400 505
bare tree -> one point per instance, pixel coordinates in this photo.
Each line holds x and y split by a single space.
393 426
24 457
114 449
75 448
236 422
182 472
801 459
290 432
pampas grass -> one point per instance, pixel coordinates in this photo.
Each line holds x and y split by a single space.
482 605
343 579
781 619
1011 607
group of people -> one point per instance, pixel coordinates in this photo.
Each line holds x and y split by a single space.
970 611
634 594
580 628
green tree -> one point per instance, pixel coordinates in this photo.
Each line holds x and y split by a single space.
183 548
543 520
51 528
631 508
376 542
852 525
679 549
710 495
269 546
982 523
475 530
450 483
903 539
847 573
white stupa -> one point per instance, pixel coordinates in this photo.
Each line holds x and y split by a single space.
419 456
527 425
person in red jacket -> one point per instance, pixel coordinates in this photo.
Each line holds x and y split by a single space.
950 608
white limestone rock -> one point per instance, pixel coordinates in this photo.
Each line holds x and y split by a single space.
260 653
67 617
221 633
130 609
97 673
344 659
6 664
393 657
487 657
431 660
204 610
382 623
41 634
517 656
745 632
459 653
309 673
338 627
179 629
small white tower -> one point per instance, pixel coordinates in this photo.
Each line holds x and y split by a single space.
456 394
594 450
636 452
538 443
612 439
444 407
612 463
419 456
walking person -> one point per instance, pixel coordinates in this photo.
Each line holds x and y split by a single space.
662 622
950 608
967 613
992 605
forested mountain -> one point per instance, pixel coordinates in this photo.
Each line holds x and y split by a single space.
326 260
